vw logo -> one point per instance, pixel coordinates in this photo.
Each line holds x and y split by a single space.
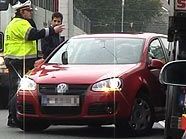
62 88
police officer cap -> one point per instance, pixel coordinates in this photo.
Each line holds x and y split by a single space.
19 5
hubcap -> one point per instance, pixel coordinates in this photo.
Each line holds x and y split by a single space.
141 115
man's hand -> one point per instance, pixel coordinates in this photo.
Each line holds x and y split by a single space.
38 62
59 28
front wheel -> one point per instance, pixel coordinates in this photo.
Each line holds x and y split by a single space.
142 117
4 97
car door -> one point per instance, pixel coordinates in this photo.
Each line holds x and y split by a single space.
157 51
167 46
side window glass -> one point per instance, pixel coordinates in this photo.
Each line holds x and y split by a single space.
155 51
169 46
165 43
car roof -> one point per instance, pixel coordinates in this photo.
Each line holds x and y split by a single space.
130 35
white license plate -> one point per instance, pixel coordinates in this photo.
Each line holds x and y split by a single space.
60 100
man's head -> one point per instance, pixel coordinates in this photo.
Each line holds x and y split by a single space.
23 9
57 19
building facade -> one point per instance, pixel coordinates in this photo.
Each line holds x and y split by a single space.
75 22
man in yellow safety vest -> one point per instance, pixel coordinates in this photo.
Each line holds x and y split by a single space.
20 50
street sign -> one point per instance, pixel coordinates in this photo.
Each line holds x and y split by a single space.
180 5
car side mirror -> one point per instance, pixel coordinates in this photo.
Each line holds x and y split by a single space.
156 64
65 58
174 73
1 41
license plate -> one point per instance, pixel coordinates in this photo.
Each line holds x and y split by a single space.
60 100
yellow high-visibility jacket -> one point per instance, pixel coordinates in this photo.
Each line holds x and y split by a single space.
16 46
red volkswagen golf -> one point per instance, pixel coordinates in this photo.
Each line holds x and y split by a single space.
97 80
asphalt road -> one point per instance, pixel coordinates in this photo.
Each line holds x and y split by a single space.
71 132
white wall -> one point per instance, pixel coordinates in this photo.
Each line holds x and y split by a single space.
66 8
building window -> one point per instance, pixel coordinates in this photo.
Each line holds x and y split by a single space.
55 5
48 4
35 2
51 5
41 3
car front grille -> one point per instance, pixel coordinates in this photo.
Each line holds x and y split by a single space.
50 89
61 111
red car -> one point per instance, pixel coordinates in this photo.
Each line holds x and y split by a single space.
97 80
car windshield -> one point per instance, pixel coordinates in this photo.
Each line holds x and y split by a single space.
100 51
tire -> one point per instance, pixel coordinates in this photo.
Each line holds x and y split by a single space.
4 97
171 133
141 119
33 125
168 113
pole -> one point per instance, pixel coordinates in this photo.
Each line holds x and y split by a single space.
122 14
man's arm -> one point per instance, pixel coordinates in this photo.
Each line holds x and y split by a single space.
34 34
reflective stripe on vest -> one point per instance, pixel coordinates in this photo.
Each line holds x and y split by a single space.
15 44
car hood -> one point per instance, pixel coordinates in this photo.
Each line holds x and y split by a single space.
81 74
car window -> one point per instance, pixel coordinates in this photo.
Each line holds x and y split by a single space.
100 51
155 51
165 42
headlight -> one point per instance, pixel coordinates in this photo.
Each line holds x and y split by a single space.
27 84
113 84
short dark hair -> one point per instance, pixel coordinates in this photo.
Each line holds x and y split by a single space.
57 15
